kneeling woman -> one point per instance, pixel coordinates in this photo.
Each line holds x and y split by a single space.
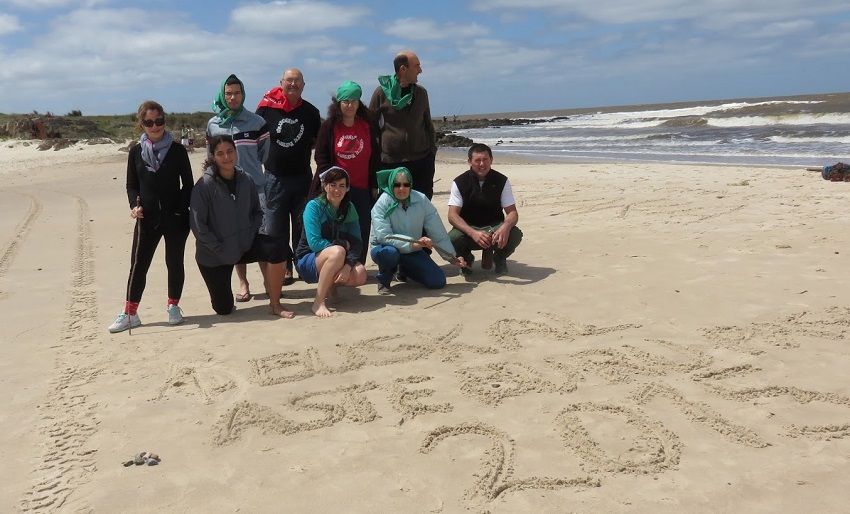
225 218
330 242
399 218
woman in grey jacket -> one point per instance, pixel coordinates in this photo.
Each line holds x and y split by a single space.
225 218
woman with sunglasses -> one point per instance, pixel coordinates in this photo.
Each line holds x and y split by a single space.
399 218
159 186
330 241
349 139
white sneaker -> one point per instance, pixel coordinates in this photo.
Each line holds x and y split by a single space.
124 322
175 315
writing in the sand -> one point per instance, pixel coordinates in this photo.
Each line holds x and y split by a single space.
657 371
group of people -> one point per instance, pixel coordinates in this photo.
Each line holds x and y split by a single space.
258 199
187 138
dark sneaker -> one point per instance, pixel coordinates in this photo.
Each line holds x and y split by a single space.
467 271
288 279
487 259
401 276
383 290
501 266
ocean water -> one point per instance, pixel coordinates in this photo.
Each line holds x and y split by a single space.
811 130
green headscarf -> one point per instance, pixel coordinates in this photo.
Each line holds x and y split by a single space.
348 90
385 184
391 87
220 107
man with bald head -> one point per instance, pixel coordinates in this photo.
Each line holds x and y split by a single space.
408 138
293 125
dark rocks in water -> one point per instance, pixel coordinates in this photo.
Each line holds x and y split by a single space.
453 140
448 126
444 127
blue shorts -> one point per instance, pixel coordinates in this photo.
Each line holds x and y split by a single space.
306 268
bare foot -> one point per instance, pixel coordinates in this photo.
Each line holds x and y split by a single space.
278 310
321 310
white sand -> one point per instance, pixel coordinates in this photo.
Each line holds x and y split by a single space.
670 339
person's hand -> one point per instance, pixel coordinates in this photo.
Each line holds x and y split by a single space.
136 212
482 238
424 242
500 237
459 261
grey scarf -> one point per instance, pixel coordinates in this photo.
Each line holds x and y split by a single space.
154 153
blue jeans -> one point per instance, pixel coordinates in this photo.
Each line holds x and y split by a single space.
417 265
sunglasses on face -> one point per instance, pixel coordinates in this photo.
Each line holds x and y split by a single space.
401 184
150 123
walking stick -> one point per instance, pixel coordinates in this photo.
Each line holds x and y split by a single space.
443 253
138 234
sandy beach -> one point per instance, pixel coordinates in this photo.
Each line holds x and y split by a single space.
669 339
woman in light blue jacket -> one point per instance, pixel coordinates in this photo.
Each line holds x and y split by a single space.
399 218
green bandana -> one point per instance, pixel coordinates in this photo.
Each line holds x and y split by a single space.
391 87
385 184
348 90
220 107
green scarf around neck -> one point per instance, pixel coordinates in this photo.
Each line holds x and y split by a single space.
391 87
385 184
220 107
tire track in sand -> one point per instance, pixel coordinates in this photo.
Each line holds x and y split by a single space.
21 233
67 414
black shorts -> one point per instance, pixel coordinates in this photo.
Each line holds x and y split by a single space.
267 249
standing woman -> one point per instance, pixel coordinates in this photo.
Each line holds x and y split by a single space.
226 219
348 139
159 176
330 241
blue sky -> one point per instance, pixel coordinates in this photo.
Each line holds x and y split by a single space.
478 56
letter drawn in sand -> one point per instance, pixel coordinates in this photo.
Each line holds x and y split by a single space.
825 432
345 402
406 400
508 332
377 351
833 324
492 383
700 414
653 450
497 467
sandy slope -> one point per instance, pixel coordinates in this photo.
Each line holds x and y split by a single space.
670 339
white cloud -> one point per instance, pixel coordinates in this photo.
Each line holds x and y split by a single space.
9 24
288 17
423 29
782 29
53 4
714 13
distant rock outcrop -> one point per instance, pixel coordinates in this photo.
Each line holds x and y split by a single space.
452 140
51 127
447 137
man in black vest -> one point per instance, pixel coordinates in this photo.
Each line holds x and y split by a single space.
482 212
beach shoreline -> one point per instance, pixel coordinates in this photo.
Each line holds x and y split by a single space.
670 338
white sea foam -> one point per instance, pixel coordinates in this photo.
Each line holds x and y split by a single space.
767 132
